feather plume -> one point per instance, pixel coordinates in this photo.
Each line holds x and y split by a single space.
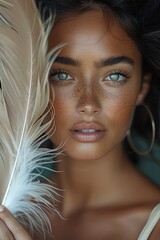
24 96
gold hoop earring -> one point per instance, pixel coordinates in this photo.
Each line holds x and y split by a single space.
129 138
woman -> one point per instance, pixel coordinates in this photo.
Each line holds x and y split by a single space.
104 71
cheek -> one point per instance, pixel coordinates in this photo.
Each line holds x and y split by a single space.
61 96
121 110
64 108
65 100
124 116
61 111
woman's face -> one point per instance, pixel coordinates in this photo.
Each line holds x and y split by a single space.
97 82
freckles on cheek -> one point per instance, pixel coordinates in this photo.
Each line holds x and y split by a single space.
77 91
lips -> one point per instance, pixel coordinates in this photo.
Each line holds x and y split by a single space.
88 132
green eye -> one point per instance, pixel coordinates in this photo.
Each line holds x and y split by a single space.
60 76
115 77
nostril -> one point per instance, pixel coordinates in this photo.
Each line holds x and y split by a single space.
90 109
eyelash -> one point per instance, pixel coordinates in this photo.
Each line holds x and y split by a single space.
120 73
115 82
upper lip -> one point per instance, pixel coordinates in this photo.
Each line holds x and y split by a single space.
85 125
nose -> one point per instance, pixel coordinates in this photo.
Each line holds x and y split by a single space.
89 101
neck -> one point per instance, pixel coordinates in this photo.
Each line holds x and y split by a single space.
91 183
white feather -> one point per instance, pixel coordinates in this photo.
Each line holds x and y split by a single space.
24 96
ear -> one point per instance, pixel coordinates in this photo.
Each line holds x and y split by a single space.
146 82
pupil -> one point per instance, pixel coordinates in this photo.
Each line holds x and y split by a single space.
114 77
62 76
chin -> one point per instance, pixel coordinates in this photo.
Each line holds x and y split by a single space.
85 152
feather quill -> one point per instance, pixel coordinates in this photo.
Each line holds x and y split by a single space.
24 96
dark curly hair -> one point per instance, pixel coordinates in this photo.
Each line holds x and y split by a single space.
141 20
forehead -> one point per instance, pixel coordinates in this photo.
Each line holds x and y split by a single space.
92 30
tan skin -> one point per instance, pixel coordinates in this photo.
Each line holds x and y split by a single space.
104 196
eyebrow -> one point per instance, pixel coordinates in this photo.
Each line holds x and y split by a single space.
103 63
67 61
113 61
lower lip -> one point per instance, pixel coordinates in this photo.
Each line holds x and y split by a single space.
87 136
